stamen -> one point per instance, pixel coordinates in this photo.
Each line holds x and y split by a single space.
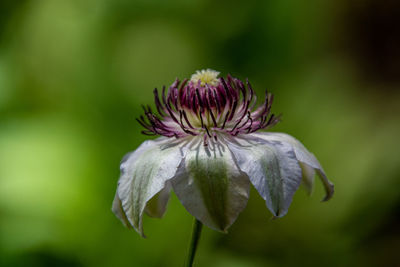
171 114
220 105
253 97
199 98
183 126
226 118
201 118
217 101
163 96
209 107
242 89
213 118
183 84
208 133
148 133
227 93
188 97
143 123
244 124
231 86
251 122
194 106
186 119
233 109
270 121
241 118
158 103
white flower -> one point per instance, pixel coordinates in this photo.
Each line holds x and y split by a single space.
210 153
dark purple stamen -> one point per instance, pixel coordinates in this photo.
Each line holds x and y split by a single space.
186 119
188 108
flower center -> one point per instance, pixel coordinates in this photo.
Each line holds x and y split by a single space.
207 106
207 76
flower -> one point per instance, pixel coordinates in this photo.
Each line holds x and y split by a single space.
209 153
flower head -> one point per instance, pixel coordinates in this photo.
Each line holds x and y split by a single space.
209 153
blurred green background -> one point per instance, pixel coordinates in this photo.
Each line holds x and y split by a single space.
74 73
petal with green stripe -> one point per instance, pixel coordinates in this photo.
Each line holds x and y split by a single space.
144 173
303 156
157 206
119 212
272 168
211 187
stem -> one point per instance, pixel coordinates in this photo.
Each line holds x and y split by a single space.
196 232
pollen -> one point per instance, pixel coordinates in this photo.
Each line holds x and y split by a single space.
207 76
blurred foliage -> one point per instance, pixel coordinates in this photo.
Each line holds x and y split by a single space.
73 75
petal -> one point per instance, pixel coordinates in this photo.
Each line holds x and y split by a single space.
328 185
272 168
157 206
144 173
119 212
308 174
303 155
211 187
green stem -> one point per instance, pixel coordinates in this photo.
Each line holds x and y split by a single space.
196 232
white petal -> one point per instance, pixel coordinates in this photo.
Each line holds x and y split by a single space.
272 168
328 185
119 212
211 187
157 206
144 173
303 155
308 174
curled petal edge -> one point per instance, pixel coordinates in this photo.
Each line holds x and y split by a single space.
272 168
303 156
144 173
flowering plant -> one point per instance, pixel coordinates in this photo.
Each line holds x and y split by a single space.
210 152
